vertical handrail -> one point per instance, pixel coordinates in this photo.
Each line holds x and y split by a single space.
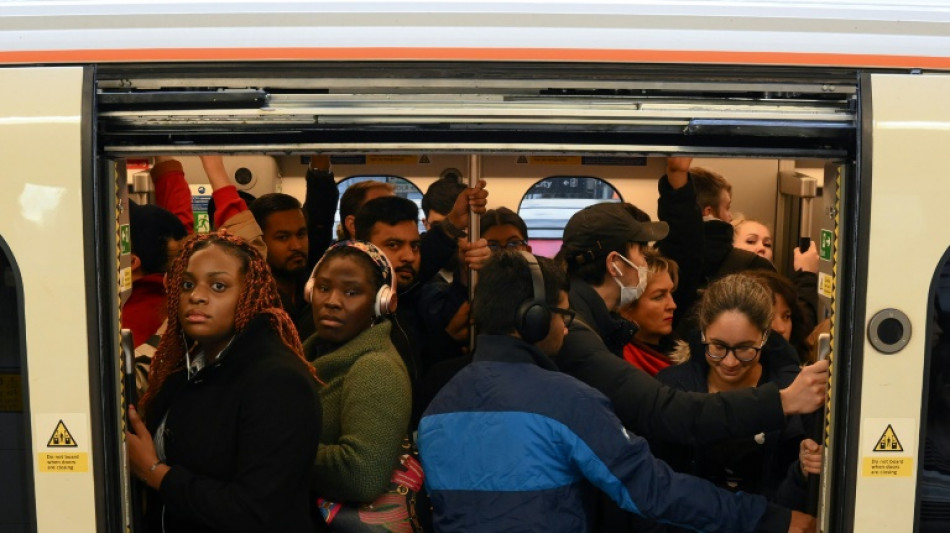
474 233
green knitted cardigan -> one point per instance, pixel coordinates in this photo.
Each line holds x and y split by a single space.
366 401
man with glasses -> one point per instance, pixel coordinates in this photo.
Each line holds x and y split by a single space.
512 444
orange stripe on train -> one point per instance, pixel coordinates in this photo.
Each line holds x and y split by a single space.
473 54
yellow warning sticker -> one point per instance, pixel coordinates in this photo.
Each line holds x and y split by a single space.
826 285
125 279
888 447
61 438
888 467
64 462
62 443
888 442
383 159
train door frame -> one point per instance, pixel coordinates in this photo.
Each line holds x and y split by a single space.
53 231
851 253
704 134
28 489
905 130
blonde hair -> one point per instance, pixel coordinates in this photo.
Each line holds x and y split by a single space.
657 263
741 219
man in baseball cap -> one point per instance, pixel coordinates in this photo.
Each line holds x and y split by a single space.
599 229
602 248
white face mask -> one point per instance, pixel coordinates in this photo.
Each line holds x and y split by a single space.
630 294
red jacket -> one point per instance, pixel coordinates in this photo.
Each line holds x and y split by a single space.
145 311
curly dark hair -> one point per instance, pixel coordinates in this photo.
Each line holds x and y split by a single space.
258 297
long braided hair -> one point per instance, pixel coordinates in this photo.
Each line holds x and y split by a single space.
258 296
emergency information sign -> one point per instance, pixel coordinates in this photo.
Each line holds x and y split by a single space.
825 245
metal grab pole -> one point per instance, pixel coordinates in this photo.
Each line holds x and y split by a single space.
804 234
805 188
474 230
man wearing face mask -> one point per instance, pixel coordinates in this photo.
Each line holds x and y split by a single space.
601 247
602 250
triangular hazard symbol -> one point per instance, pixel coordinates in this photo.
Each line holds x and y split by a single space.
522 160
61 438
424 160
888 442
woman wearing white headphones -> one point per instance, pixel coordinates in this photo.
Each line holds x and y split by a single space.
367 397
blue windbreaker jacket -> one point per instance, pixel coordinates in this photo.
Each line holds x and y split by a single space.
511 444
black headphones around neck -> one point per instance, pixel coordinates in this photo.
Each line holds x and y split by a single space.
533 321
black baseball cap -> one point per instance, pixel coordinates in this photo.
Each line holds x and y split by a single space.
598 229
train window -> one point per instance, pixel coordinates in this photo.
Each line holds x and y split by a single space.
15 467
404 189
549 203
933 483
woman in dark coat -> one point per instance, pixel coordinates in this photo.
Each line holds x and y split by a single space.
232 409
736 349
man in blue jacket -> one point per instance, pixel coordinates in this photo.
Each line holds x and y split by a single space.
511 444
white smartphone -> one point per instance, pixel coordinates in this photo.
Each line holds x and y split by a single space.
824 346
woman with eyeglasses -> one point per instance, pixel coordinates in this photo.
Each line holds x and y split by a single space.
736 348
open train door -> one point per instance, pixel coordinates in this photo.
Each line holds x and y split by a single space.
907 233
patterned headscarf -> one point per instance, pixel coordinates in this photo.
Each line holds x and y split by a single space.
376 255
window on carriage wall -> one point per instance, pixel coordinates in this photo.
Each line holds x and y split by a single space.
16 502
404 189
549 203
933 483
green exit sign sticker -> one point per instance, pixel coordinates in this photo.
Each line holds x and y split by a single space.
825 245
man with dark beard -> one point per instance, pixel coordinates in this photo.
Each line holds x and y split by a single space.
284 229
392 224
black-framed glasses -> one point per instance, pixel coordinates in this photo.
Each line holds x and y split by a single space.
566 314
510 245
745 354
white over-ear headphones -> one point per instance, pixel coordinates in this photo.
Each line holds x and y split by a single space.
385 303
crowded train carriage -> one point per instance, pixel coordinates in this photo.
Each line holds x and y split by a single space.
822 124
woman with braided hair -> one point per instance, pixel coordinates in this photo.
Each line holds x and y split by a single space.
232 409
